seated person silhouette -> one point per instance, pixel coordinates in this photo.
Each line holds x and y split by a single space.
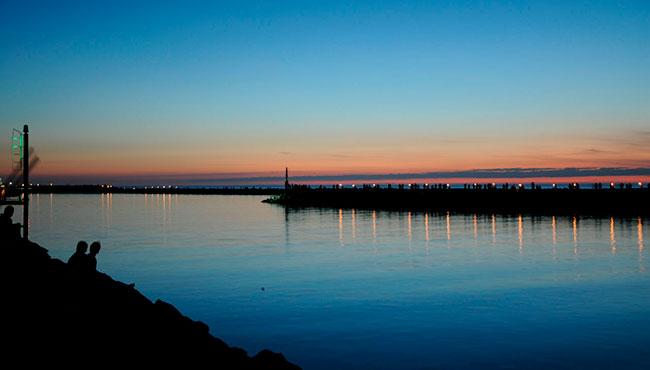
79 260
92 255
8 229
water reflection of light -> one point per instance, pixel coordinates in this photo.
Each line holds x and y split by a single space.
354 224
612 235
341 226
554 233
554 229
426 226
51 209
374 226
475 226
410 230
448 227
575 234
38 204
164 209
109 211
520 232
494 229
639 229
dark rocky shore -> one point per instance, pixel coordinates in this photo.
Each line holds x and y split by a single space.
53 315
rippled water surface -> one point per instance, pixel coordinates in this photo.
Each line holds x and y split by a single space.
351 289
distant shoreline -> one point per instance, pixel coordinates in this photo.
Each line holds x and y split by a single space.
617 200
108 189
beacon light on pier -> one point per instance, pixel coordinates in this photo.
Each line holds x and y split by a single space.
521 185
554 186
448 186
640 184
611 184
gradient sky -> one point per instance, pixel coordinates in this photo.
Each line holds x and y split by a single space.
245 88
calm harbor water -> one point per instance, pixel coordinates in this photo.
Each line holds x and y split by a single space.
351 289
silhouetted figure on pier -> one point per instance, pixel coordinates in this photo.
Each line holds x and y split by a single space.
9 231
92 256
79 259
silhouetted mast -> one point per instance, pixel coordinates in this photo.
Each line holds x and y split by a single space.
25 182
286 178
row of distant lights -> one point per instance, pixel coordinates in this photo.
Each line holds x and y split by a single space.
31 184
611 184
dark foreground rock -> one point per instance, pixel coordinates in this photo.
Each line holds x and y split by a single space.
52 315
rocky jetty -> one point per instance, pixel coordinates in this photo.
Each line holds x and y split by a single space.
53 315
596 202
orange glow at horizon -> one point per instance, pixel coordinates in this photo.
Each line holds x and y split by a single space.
335 153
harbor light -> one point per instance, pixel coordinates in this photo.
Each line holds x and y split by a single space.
640 184
554 186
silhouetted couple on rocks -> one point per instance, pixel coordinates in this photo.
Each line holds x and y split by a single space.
83 262
9 231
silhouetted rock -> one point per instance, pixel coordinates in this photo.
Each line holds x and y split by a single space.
52 316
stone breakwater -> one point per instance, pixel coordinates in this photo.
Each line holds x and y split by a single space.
635 202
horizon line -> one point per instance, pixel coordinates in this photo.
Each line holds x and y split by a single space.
478 174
